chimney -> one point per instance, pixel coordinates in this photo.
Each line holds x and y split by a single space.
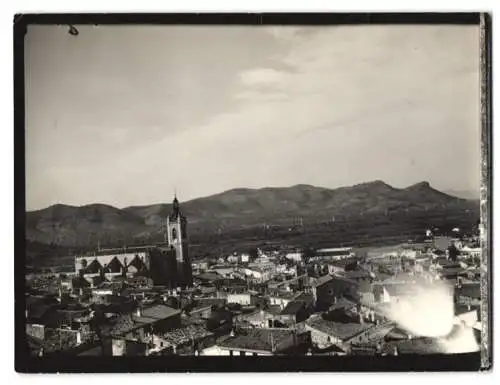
78 337
138 312
395 350
361 320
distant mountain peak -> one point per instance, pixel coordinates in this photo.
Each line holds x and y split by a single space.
420 185
304 186
374 184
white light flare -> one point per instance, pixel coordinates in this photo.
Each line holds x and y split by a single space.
427 312
461 340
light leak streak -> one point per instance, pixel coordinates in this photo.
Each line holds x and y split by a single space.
429 312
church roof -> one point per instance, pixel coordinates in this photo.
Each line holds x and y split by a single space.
114 266
93 268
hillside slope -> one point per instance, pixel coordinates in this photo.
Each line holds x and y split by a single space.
236 208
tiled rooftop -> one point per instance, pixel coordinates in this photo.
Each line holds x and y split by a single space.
322 280
208 276
186 334
344 262
342 303
284 295
358 274
343 331
143 320
256 316
159 312
293 307
256 339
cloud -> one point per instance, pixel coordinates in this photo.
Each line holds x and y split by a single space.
258 96
262 77
376 102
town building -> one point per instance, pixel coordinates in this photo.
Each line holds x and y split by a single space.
167 264
327 288
259 342
333 254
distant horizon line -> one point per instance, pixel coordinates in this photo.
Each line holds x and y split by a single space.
446 191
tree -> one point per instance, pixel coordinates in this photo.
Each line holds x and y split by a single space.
453 253
253 254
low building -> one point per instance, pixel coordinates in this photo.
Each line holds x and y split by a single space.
200 265
329 287
187 340
295 256
340 266
259 274
207 278
298 282
121 346
261 318
201 311
325 333
138 326
362 277
471 252
259 342
385 292
223 270
282 299
233 259
468 294
244 299
61 340
294 312
442 242
333 254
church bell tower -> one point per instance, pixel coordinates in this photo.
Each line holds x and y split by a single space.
178 241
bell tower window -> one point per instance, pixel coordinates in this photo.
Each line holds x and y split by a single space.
174 234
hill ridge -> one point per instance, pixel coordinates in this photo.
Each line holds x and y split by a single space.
235 208
376 182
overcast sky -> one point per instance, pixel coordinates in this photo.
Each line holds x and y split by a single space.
124 114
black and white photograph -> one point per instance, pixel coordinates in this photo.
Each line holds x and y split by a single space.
255 191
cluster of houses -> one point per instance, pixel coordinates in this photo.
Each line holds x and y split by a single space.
279 302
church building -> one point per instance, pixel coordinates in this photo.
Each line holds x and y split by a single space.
167 264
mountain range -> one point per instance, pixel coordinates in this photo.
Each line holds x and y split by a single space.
235 209
464 194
